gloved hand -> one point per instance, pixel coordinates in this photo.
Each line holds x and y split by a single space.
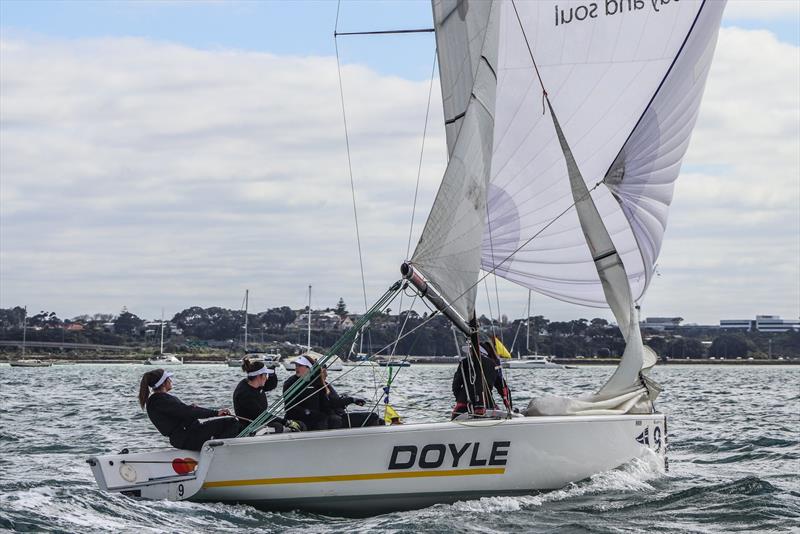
359 401
294 426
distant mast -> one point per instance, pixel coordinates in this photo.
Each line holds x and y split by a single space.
24 329
246 307
161 350
309 319
528 326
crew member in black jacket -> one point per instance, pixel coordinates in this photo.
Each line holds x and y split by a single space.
474 380
179 421
309 405
250 396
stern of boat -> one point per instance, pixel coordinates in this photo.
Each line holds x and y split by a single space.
170 474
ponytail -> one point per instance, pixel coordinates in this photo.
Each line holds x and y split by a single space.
149 379
250 366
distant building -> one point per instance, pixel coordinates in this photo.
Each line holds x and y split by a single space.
661 323
762 323
736 324
773 323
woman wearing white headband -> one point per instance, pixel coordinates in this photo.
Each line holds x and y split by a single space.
179 421
309 406
250 396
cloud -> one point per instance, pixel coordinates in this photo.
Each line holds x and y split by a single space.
144 174
149 174
761 10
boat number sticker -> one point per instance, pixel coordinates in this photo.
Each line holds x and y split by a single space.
180 490
438 454
657 438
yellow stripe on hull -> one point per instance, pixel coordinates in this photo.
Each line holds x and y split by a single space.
363 476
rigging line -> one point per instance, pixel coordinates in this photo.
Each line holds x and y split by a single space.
350 165
496 291
527 44
419 166
489 302
421 154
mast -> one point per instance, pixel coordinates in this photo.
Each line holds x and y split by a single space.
246 307
528 332
24 329
309 318
162 332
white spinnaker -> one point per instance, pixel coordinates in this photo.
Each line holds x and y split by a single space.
624 84
449 249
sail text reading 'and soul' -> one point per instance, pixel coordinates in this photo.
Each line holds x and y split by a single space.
593 10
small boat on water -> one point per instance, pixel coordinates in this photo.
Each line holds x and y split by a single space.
532 361
163 359
28 362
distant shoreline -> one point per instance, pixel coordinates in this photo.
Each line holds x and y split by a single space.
415 360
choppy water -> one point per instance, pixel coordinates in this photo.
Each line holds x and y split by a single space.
734 456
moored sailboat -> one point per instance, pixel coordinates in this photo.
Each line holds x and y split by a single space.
533 109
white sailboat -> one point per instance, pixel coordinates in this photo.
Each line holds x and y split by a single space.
163 358
534 108
288 364
531 361
270 359
23 361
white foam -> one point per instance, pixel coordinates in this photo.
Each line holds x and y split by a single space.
633 476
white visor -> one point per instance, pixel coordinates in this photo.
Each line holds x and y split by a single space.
161 380
302 360
263 371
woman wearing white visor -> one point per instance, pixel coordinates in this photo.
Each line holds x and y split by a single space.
250 396
308 406
179 421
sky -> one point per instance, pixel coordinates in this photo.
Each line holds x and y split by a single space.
167 154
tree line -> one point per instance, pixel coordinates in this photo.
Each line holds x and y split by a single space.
432 336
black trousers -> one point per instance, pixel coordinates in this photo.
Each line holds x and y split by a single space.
193 437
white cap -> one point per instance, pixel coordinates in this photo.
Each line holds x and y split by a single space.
161 380
263 371
302 360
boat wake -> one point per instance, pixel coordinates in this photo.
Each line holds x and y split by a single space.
633 476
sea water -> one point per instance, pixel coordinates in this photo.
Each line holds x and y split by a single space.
734 454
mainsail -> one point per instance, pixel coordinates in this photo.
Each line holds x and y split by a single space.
449 250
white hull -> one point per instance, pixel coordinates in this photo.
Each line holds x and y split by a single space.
372 470
29 363
164 359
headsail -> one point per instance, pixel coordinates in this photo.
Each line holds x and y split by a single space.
449 249
625 78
